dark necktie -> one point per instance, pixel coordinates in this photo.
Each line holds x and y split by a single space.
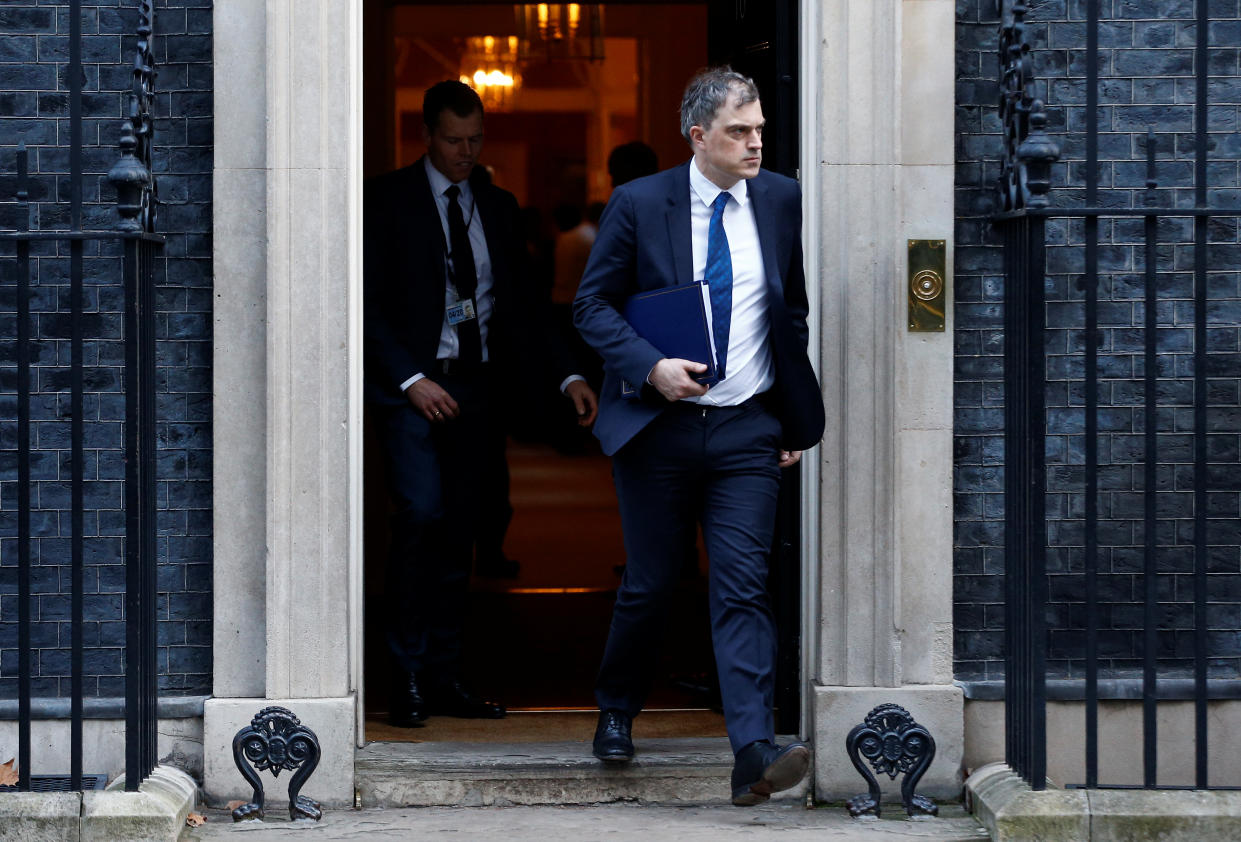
719 277
464 277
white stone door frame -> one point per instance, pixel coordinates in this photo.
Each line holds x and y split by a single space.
876 514
811 472
288 620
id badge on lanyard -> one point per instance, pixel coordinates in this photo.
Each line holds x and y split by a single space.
462 311
457 310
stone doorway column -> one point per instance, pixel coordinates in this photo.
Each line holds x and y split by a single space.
882 629
287 381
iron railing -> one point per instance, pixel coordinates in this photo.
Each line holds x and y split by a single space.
135 187
1024 214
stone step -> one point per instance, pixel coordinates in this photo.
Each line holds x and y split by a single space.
664 771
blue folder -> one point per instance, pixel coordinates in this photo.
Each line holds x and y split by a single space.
674 320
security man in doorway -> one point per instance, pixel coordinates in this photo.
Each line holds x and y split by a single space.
450 316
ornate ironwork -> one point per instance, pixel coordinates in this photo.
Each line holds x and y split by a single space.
895 745
133 175
135 184
1028 152
274 740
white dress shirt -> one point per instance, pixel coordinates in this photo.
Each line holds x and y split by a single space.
484 301
748 368
450 345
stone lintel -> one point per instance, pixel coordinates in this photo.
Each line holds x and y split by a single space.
333 722
938 708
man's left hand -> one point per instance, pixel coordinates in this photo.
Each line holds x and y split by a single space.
789 458
584 401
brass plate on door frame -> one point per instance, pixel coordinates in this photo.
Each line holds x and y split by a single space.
926 285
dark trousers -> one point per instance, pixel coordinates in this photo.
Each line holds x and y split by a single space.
717 468
433 474
494 511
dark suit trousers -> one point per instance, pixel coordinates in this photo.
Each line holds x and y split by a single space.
716 467
433 477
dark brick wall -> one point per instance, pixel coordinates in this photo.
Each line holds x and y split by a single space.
34 109
1147 65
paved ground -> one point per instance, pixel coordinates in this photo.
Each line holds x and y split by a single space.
785 822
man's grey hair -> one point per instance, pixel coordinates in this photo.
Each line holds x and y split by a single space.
708 91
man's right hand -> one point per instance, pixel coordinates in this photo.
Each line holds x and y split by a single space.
674 379
429 398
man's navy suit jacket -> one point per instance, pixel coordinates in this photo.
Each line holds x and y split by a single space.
643 244
404 276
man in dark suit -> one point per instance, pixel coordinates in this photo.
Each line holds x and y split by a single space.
449 317
689 453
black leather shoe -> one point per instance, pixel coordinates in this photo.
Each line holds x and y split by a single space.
407 709
762 768
497 568
613 743
450 698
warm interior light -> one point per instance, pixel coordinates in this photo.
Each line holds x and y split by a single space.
496 78
556 31
489 66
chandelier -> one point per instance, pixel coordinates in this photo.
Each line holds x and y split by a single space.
550 31
489 66
545 32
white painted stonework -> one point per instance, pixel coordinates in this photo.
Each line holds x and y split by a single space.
179 742
877 134
1120 741
883 616
332 781
287 346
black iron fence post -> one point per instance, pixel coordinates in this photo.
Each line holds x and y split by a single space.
23 475
1091 374
1201 222
1023 190
135 190
1025 180
136 200
1025 514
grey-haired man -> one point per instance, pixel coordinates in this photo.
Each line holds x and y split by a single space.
686 453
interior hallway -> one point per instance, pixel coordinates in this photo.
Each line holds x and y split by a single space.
534 642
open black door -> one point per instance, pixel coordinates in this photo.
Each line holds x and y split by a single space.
759 38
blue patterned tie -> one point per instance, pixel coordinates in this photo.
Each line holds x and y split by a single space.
719 278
